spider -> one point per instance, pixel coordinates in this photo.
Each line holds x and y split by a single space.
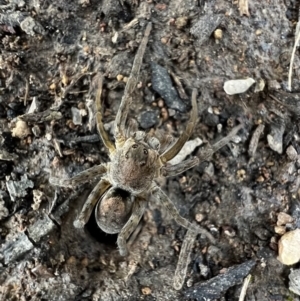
136 160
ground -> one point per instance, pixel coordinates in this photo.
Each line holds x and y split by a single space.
50 52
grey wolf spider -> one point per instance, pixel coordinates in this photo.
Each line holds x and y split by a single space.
137 158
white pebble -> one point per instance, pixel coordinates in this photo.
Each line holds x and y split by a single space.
238 86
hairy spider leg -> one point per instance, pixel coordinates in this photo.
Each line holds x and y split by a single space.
98 80
173 170
176 169
90 203
139 207
81 178
167 203
184 259
130 86
177 146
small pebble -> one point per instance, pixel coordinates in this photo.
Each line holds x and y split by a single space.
146 290
241 174
37 199
283 219
288 247
291 153
164 114
36 131
216 110
218 34
238 86
70 124
34 106
230 232
164 40
120 77
279 230
260 179
294 284
52 86
275 139
181 22
48 136
76 116
199 217
21 130
160 103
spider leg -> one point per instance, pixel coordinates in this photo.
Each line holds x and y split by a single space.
82 177
98 81
207 152
173 170
176 147
184 259
130 86
90 203
138 210
167 203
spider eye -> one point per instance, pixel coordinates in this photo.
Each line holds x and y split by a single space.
145 151
126 156
134 146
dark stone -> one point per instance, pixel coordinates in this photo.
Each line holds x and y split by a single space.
215 287
148 119
210 119
162 84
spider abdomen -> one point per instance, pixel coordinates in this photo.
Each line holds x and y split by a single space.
113 210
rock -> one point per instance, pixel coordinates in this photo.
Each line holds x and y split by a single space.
294 284
288 247
162 84
15 248
216 286
279 230
34 106
291 153
40 228
17 189
76 116
205 26
3 210
38 196
32 27
275 138
148 119
238 86
283 219
21 130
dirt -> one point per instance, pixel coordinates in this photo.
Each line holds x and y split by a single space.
51 50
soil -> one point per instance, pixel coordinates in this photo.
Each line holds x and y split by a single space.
50 52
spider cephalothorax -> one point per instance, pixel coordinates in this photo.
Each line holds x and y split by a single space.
134 166
137 158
